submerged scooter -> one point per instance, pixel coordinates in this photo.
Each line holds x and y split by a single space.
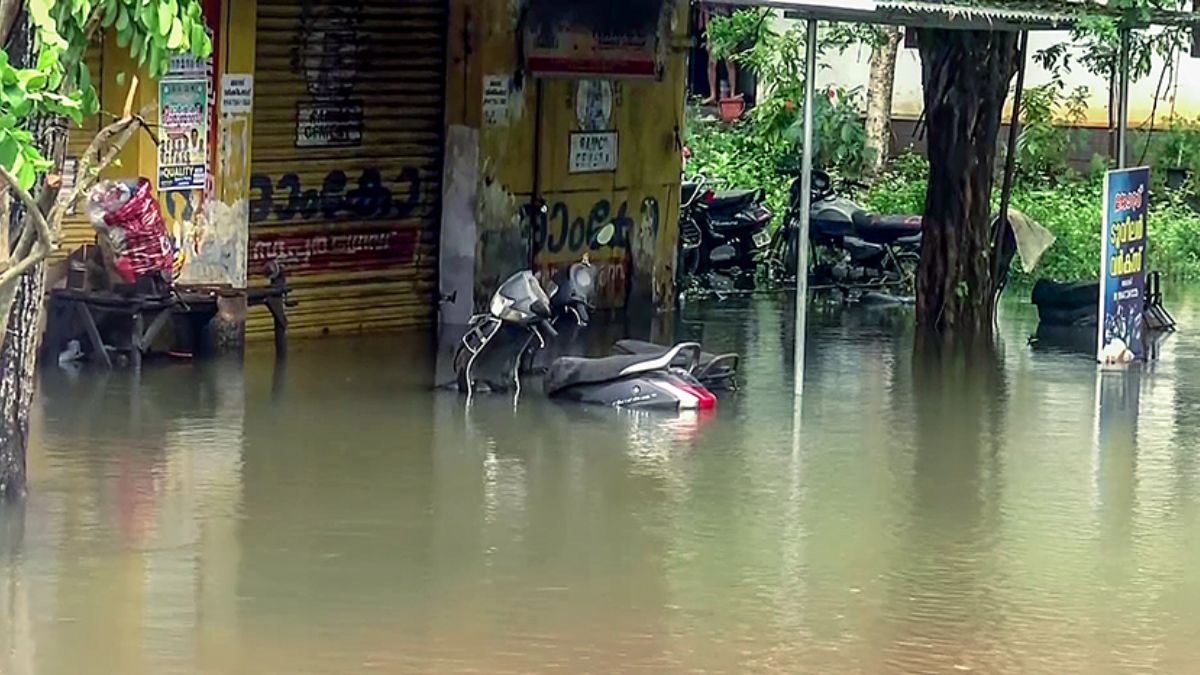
521 318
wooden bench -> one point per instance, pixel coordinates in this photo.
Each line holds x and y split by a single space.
142 318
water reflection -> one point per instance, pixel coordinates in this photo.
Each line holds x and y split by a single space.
1009 510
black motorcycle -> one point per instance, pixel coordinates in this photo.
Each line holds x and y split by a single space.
721 231
852 248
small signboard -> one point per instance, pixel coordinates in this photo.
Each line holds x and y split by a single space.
495 100
1121 334
593 152
237 94
329 124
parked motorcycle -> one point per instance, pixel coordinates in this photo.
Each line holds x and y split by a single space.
521 319
721 230
852 247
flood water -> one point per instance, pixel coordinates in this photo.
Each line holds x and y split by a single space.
336 516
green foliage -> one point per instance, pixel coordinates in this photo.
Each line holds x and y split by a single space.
1050 116
777 58
60 85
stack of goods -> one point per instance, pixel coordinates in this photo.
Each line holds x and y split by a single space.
131 230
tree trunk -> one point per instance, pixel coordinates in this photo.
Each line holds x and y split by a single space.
880 88
966 76
21 339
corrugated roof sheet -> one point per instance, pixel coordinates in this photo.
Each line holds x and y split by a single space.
998 14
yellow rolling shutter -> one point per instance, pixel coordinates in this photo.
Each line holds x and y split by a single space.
347 153
76 230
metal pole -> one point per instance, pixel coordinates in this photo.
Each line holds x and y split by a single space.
810 76
1010 159
1123 103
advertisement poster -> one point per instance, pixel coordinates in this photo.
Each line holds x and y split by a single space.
1123 266
183 134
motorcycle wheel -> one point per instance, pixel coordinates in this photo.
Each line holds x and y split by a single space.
909 264
461 357
691 261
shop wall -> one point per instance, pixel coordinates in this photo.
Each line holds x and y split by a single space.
519 123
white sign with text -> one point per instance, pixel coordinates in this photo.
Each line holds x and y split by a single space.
593 152
237 94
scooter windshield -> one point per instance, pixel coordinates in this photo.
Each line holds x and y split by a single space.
519 298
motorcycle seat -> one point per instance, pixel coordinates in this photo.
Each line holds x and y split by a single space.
885 229
572 371
732 199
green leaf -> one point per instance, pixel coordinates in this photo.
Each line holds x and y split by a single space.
91 102
10 149
199 40
165 16
40 11
122 19
14 96
23 171
111 12
176 39
121 78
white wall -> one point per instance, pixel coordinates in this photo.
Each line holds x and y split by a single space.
852 67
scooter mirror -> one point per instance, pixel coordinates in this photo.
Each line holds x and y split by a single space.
604 236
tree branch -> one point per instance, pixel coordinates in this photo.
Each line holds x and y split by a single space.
32 212
9 11
13 273
88 171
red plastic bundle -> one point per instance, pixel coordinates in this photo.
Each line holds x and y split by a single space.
147 245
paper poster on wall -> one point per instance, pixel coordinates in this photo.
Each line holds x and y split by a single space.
329 124
593 152
1123 266
237 94
183 134
594 104
495 100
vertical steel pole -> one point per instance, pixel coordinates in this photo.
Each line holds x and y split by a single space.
1123 103
810 76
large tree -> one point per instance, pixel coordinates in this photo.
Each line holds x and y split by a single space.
46 86
966 77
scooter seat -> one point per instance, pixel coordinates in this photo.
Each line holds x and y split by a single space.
715 372
571 371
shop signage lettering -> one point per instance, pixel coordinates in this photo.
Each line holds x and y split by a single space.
322 252
370 197
328 124
1123 266
557 231
593 152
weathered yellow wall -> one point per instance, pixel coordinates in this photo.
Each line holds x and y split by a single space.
641 197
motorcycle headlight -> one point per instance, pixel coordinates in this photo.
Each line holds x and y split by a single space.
581 276
500 306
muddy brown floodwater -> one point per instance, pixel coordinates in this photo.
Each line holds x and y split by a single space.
336 516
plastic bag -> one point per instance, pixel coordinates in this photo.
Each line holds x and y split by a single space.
127 216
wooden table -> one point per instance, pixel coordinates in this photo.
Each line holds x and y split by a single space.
145 317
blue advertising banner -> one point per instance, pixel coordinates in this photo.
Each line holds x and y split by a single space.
1123 266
